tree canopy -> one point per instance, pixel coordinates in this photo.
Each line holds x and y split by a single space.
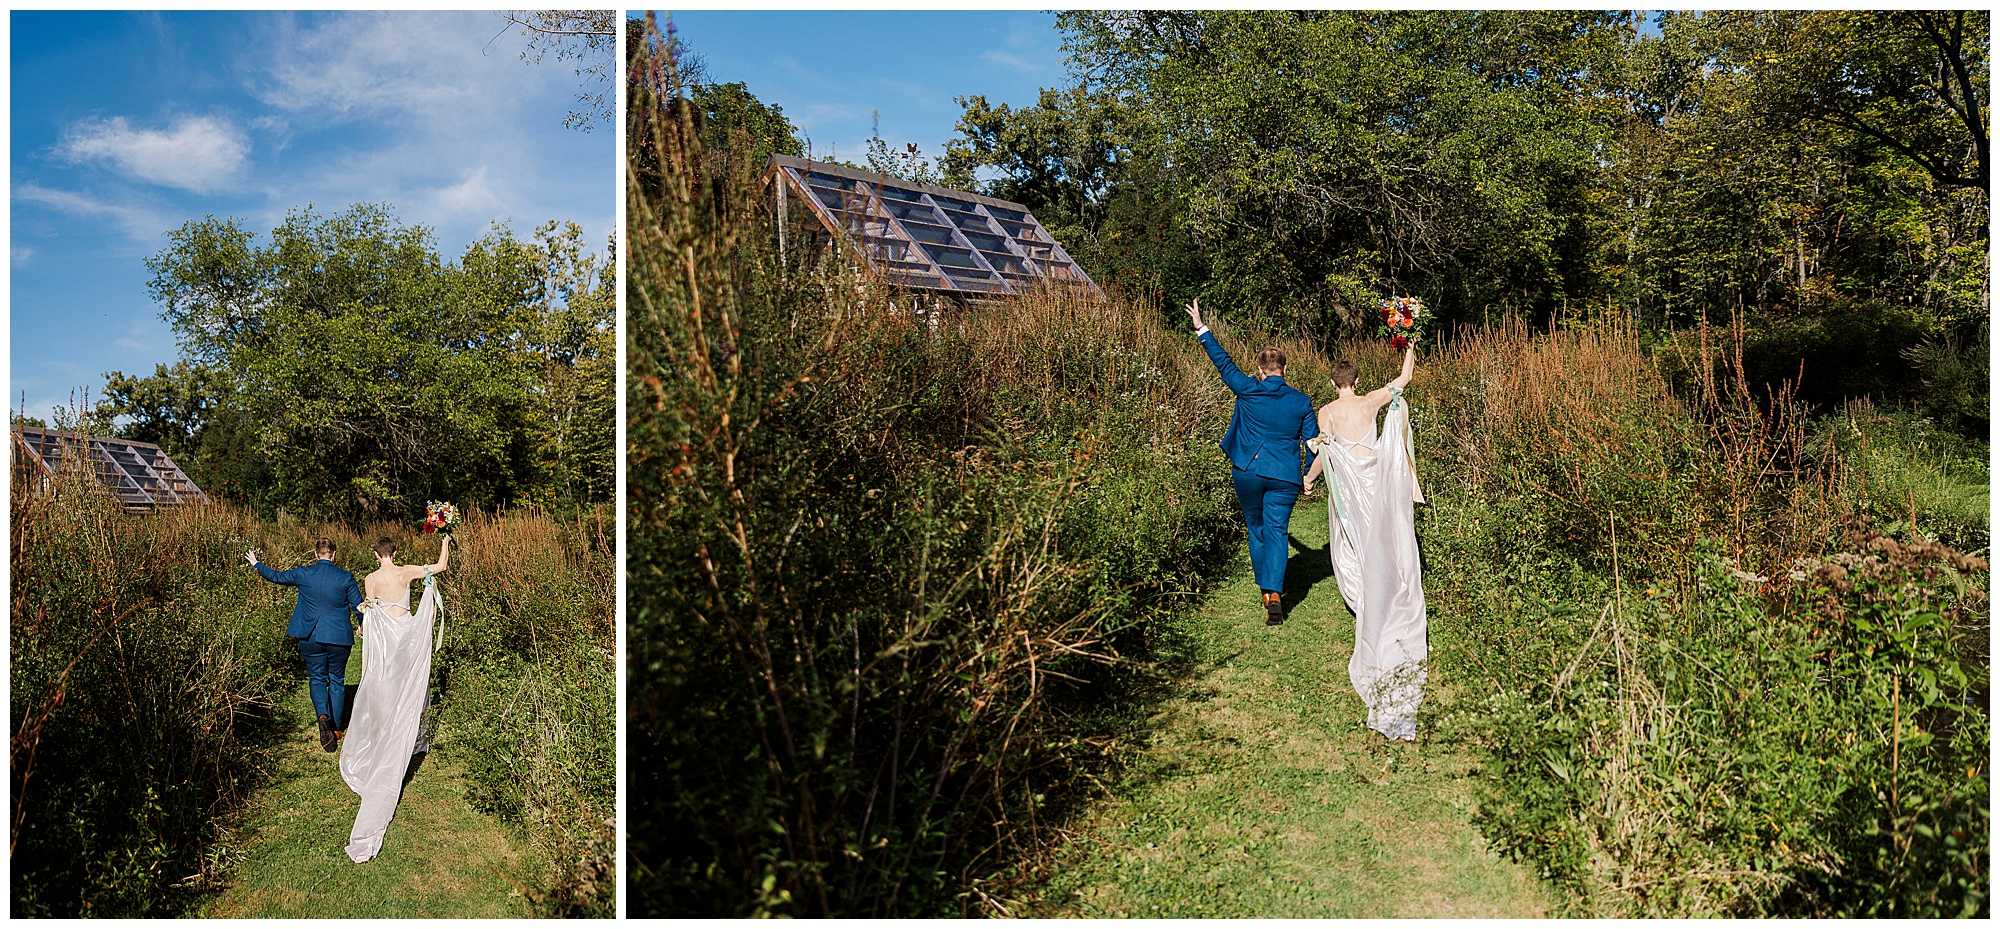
341 367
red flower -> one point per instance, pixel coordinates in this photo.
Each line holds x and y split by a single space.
1400 341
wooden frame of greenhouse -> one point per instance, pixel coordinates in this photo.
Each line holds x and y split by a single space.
924 237
139 474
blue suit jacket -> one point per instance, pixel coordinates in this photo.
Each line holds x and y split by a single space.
326 595
1270 424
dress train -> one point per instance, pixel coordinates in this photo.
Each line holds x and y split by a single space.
1374 549
388 707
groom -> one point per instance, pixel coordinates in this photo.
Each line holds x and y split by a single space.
1263 444
320 621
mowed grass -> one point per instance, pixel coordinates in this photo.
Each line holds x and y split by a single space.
441 859
1263 793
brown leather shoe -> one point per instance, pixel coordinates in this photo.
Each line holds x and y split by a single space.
326 737
1274 609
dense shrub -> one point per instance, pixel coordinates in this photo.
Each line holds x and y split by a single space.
1699 692
527 683
143 668
893 567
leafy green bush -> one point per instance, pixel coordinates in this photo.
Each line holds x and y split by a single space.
1696 693
894 568
139 638
1907 474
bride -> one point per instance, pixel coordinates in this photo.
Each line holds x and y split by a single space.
395 682
1371 484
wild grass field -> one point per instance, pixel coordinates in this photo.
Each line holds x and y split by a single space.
912 584
152 692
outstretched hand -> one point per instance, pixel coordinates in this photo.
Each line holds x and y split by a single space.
1194 313
250 557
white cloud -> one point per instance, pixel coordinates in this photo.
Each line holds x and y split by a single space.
197 153
1029 47
473 198
363 64
1006 59
433 113
142 224
20 254
791 66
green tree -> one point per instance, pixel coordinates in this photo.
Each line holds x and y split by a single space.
1913 82
1324 158
169 408
573 357
343 368
733 120
1073 158
1847 255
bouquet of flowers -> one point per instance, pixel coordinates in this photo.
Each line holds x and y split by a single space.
1401 321
443 517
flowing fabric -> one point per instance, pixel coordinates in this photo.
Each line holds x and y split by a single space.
1371 516
395 682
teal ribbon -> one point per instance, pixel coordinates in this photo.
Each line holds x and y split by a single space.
1332 480
430 584
1409 438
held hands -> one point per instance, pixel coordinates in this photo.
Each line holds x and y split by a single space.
1194 314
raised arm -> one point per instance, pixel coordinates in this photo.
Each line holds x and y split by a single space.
1409 366
1381 395
287 578
444 557
1232 376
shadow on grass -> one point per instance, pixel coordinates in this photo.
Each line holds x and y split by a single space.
1305 568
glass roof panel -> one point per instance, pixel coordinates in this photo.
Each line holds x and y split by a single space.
985 240
955 259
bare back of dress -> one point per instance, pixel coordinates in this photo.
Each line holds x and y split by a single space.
388 707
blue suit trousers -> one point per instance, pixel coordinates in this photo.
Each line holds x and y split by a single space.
1267 511
326 669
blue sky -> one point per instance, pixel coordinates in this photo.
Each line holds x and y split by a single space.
127 125
830 70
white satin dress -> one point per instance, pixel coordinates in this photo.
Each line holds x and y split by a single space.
1372 521
388 707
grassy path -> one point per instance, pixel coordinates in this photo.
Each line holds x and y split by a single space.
441 858
1264 794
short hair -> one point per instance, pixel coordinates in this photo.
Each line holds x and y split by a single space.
323 547
1346 372
385 547
1271 359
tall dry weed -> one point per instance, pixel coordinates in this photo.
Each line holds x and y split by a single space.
891 565
142 679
